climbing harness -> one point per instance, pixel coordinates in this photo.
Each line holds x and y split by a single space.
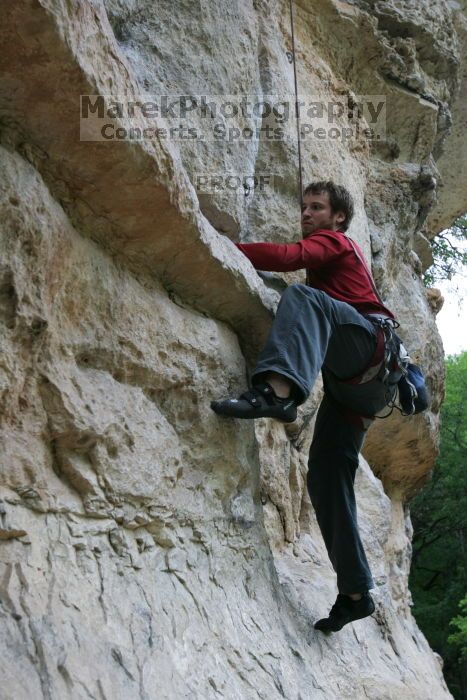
396 365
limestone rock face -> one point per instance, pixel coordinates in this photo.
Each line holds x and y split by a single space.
452 191
148 548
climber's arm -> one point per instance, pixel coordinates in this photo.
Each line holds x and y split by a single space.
313 252
274 257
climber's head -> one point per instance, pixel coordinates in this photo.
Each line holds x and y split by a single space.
327 206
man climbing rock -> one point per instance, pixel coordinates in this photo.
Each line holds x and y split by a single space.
329 324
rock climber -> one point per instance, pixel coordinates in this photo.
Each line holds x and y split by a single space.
328 324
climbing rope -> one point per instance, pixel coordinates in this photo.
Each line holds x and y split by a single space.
297 111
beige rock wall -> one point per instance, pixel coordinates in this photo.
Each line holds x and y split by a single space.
148 548
452 191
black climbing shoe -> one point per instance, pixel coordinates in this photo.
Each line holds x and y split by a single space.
346 610
259 402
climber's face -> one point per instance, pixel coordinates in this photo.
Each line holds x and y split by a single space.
317 213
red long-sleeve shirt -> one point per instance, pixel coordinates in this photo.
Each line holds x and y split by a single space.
331 263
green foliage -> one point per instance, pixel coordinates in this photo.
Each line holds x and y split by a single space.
449 253
460 637
438 578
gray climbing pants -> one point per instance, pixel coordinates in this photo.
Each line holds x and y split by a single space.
313 332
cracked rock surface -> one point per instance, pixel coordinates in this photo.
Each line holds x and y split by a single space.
148 548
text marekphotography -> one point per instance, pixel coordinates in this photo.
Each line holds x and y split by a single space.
231 118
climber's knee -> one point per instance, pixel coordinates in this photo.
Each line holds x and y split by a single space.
314 296
298 288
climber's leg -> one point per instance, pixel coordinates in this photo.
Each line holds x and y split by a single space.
296 348
282 385
332 465
297 345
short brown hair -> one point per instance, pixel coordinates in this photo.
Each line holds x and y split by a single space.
340 199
